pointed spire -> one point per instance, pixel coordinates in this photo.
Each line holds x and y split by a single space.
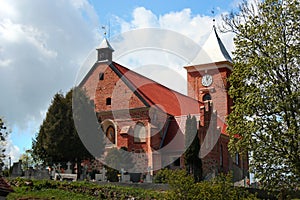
105 44
212 51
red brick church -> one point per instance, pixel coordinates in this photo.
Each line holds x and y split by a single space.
148 118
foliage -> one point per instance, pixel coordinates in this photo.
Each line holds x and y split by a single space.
112 174
28 160
193 163
58 140
265 89
183 187
3 138
47 189
162 176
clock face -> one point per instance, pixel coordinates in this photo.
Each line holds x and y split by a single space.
207 80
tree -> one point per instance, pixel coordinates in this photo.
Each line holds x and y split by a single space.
28 160
265 88
193 163
58 139
3 138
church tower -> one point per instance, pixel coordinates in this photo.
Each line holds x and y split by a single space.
105 52
208 74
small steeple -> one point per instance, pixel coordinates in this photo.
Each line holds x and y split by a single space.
105 52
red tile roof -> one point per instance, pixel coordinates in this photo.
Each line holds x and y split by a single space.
155 94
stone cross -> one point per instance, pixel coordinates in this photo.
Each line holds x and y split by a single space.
59 165
122 174
103 172
148 176
69 171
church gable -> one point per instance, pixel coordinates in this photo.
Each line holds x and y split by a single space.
109 91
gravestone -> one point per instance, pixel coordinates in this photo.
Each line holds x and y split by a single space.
102 175
17 169
68 170
84 172
148 176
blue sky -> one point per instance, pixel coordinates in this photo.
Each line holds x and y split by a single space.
44 43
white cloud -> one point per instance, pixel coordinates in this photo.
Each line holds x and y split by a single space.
12 151
42 44
195 27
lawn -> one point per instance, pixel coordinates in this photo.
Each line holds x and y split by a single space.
48 189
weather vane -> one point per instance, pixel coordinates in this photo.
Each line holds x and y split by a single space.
104 29
213 13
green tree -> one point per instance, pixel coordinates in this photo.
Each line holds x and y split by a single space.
3 138
58 139
265 89
193 163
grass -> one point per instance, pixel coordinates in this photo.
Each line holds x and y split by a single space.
46 189
45 194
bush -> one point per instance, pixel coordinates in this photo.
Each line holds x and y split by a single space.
162 176
112 175
183 186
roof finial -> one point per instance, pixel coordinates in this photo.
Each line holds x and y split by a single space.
214 16
104 31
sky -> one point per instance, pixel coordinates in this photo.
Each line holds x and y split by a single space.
43 45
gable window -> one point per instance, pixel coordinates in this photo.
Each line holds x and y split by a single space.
139 133
108 101
101 76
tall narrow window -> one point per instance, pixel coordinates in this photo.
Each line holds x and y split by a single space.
221 155
101 76
139 133
108 101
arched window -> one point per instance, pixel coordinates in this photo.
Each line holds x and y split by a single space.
221 155
206 97
139 133
110 134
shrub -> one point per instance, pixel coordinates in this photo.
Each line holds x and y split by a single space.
184 187
162 176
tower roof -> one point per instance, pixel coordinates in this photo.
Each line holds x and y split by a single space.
105 45
212 51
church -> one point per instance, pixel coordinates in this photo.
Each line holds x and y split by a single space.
148 119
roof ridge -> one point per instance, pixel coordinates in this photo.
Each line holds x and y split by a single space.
156 83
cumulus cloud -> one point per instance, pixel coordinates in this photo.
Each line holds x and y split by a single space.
42 44
12 151
194 27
